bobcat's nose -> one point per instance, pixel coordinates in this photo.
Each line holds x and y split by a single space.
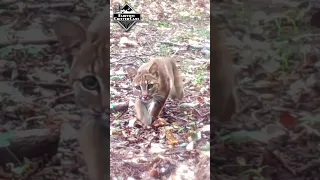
103 116
144 94
145 97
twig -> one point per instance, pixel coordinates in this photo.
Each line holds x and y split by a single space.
170 43
278 155
177 118
309 165
180 45
200 61
62 96
14 156
4 3
44 85
27 42
119 107
60 6
201 115
125 57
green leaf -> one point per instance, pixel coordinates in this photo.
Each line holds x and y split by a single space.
18 170
183 144
240 135
35 49
5 51
21 169
310 119
116 77
188 104
195 136
5 137
205 147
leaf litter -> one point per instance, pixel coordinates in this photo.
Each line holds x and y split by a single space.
170 29
275 133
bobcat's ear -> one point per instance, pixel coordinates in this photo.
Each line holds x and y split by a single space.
69 33
131 71
153 69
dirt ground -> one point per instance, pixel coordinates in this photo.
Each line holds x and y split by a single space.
274 135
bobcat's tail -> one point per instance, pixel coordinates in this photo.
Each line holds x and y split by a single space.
178 92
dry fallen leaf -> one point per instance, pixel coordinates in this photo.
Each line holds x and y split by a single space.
200 99
171 139
287 120
160 122
125 42
241 161
190 146
154 172
205 128
131 122
156 149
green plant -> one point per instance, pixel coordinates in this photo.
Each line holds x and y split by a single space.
5 142
290 17
199 75
165 50
24 51
286 55
235 136
116 77
256 172
310 120
5 138
203 33
163 23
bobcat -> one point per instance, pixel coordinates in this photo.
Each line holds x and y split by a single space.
153 83
90 79
222 81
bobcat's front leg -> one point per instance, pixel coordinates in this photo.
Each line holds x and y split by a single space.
156 107
142 112
94 138
159 101
147 112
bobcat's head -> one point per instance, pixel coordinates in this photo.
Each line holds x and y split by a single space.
89 63
145 81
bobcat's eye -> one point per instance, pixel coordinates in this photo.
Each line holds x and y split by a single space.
150 86
138 87
90 82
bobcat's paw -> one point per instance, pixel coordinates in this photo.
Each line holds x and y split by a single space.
160 122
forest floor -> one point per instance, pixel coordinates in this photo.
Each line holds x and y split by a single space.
274 135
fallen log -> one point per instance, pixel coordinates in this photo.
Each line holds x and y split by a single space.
29 144
119 107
